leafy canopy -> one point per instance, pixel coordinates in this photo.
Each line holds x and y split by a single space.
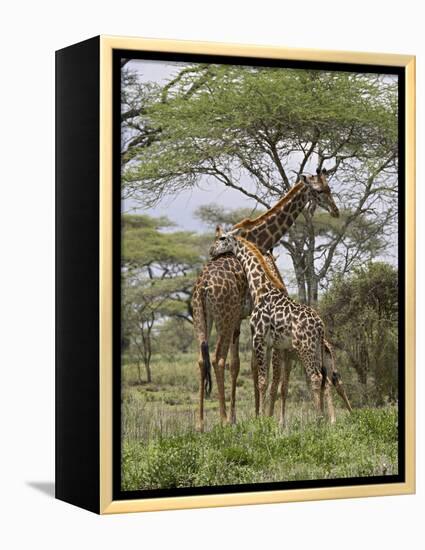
248 116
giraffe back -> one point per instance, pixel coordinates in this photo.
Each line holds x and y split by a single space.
220 293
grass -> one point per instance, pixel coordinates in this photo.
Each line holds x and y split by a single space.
161 448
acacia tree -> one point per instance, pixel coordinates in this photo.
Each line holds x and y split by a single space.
256 130
146 304
158 271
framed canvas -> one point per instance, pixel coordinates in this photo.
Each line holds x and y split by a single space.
235 274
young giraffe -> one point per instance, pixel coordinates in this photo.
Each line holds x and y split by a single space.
220 293
279 322
288 357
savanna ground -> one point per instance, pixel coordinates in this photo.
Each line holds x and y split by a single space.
161 448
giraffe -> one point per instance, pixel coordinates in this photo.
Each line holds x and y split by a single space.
219 296
220 293
289 356
279 322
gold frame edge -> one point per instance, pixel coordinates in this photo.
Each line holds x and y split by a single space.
410 277
105 275
107 505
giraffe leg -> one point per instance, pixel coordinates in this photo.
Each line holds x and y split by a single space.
277 358
234 372
314 378
316 389
260 357
329 368
202 321
254 370
287 366
322 395
329 402
219 363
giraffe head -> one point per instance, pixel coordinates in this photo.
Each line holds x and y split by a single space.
320 192
213 248
257 269
224 242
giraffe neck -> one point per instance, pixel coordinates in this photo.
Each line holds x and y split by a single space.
267 230
271 263
259 276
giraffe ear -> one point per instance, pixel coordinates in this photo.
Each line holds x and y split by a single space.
321 172
218 232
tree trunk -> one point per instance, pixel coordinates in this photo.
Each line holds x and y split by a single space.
312 287
301 283
139 371
148 350
314 291
148 370
308 259
147 353
302 294
146 330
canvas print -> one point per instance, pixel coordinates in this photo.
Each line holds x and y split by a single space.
259 261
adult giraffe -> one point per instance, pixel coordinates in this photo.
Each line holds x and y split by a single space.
221 294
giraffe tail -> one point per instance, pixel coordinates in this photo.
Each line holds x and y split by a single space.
335 377
207 367
323 370
339 386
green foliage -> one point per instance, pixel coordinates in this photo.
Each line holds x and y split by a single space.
361 314
237 111
174 336
147 241
158 273
361 444
370 294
